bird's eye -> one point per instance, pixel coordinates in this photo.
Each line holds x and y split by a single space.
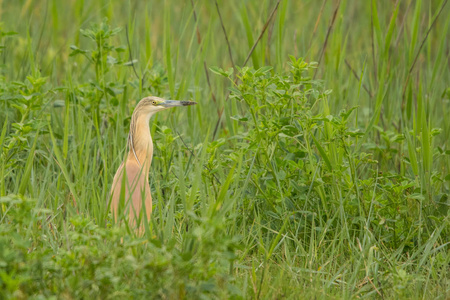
153 102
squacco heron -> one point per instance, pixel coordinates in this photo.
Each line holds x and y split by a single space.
130 183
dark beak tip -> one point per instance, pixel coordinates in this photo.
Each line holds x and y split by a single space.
186 103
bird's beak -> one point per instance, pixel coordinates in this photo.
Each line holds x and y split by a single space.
173 103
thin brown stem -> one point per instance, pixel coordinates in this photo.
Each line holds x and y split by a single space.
317 22
330 27
226 36
357 77
402 26
419 50
269 38
373 46
246 60
262 32
199 41
131 55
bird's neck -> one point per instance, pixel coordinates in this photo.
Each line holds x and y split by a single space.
140 141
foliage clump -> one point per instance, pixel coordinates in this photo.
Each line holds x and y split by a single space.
88 261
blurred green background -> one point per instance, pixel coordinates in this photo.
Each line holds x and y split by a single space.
164 33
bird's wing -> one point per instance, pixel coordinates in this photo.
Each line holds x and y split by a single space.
136 189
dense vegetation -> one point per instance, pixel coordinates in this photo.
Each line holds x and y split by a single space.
316 164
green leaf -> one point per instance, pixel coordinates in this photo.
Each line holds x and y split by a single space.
322 152
219 71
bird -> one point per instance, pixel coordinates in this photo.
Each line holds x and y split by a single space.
130 191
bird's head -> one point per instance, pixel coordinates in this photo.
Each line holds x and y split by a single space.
153 104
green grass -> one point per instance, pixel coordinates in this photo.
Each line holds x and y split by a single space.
295 180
